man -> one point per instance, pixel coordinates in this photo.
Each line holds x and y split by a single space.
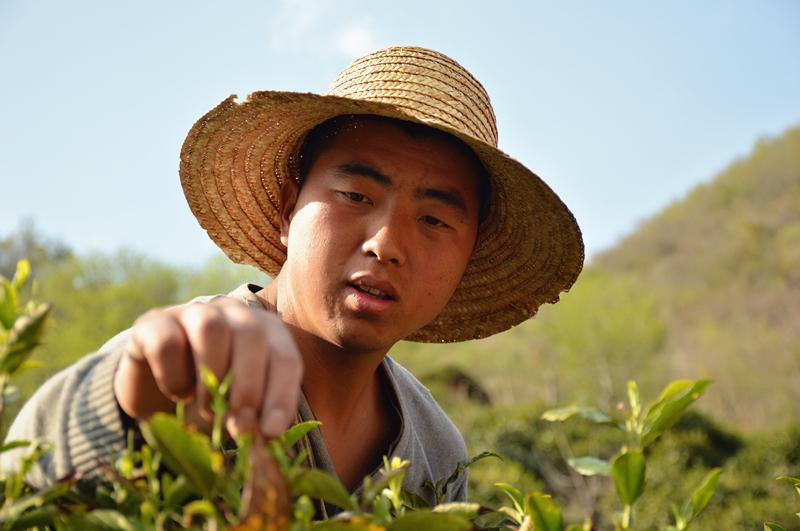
384 211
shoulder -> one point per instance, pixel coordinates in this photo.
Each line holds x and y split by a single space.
421 406
430 439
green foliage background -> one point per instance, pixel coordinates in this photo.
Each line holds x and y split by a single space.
708 288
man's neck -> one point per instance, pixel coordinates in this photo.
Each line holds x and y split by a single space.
345 392
340 385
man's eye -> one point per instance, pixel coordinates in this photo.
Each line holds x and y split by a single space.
434 222
355 197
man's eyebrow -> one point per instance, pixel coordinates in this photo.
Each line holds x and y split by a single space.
447 197
356 168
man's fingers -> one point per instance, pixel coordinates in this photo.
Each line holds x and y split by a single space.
160 340
209 337
168 345
284 374
135 387
249 364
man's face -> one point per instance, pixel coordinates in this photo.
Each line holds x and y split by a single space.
379 236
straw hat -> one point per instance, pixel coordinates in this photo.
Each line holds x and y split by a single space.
237 156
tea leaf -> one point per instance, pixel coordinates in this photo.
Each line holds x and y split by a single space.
703 494
773 526
108 519
199 508
543 512
13 509
590 466
209 379
177 492
356 523
321 485
34 518
430 521
8 303
494 520
463 509
440 487
21 275
24 337
413 500
669 407
184 452
634 399
589 413
628 473
514 494
10 445
291 436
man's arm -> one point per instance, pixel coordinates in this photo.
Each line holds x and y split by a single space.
76 413
152 366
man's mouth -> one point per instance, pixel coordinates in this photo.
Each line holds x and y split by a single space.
375 288
372 291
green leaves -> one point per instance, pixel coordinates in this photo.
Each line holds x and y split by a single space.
697 502
516 498
535 509
184 452
321 485
641 427
440 487
20 328
590 466
794 481
23 337
543 512
293 435
465 510
628 473
589 413
10 306
669 407
430 521
704 492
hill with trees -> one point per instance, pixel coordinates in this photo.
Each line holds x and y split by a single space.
725 265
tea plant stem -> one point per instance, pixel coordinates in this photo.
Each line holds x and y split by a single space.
626 517
3 383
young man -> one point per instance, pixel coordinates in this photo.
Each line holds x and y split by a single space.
384 211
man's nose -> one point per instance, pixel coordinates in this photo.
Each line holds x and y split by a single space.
387 242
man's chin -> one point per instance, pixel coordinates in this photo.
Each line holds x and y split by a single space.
360 338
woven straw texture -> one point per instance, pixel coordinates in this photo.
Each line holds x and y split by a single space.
237 156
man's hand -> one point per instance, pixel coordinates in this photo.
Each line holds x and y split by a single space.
168 345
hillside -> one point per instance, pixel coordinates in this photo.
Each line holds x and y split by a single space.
710 287
725 262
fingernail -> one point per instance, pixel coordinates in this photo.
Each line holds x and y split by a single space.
273 424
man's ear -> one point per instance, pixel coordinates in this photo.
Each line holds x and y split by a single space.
289 193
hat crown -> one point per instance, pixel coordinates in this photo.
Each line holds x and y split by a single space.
425 84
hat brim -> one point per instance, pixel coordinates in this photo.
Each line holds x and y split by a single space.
236 158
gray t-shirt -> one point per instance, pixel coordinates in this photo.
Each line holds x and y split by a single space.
76 412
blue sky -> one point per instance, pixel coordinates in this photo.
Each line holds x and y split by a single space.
621 106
